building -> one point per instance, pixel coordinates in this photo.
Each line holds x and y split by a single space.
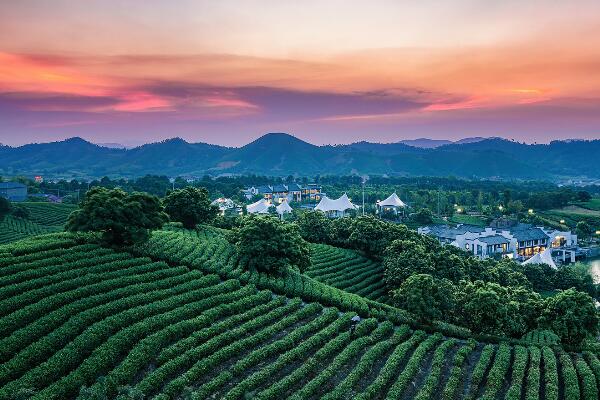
283 208
335 208
392 204
260 207
227 206
13 191
279 193
517 241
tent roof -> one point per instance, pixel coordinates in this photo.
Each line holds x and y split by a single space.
545 257
260 207
341 204
283 208
392 201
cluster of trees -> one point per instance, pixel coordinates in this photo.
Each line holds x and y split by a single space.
124 218
436 282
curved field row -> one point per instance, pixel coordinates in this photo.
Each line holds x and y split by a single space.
73 312
49 214
13 229
347 270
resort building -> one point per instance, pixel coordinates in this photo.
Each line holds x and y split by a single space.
518 241
392 204
335 208
226 206
279 193
260 207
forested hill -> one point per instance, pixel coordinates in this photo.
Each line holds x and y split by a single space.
279 154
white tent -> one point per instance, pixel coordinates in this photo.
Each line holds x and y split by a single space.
260 207
337 206
283 208
545 257
392 201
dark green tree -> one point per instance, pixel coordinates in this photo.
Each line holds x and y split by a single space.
403 259
270 245
121 218
424 216
190 206
425 297
572 315
5 207
583 230
314 226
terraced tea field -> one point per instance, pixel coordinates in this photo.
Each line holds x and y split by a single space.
347 270
43 218
72 312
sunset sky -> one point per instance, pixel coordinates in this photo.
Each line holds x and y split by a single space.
328 71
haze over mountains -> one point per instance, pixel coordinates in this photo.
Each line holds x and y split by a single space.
280 154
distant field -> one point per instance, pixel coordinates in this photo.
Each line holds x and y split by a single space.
593 204
577 211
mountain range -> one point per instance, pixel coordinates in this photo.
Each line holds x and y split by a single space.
280 154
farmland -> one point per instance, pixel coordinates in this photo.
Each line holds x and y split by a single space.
181 318
43 218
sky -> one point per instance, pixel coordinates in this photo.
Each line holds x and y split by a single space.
327 71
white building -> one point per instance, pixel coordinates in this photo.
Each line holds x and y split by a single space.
391 204
260 207
335 208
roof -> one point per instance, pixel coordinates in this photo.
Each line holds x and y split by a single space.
12 185
545 257
259 207
264 189
447 232
294 187
284 208
279 188
524 232
392 201
341 204
495 239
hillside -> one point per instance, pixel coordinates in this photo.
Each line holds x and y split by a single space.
43 218
280 154
73 312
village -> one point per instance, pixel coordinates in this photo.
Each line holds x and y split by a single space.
503 238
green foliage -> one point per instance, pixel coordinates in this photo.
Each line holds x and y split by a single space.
121 218
583 230
424 216
270 245
190 206
572 315
424 297
314 226
5 207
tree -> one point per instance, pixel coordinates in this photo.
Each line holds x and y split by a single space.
403 259
583 196
424 297
314 226
571 315
190 206
270 245
5 207
583 230
122 218
424 216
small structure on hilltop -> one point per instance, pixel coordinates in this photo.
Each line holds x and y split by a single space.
259 207
283 208
392 204
335 208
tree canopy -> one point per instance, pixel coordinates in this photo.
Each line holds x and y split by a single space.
190 206
122 218
270 245
5 207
